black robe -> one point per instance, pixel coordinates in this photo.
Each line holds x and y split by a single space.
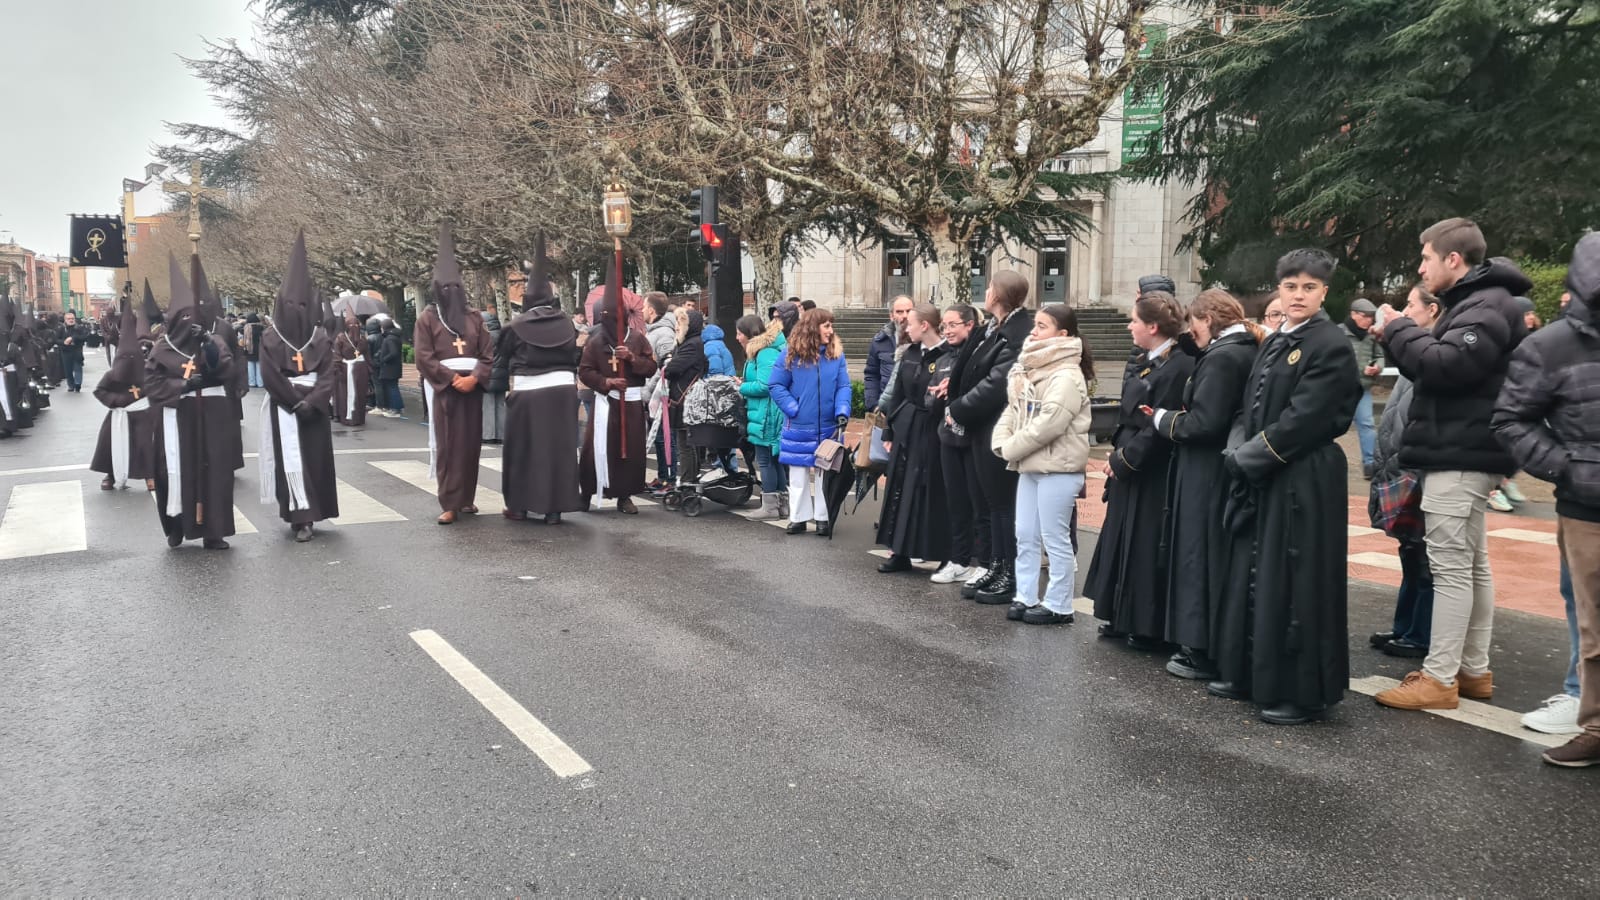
627 417
1199 557
315 424
1282 628
238 384
1128 576
208 438
539 466
914 520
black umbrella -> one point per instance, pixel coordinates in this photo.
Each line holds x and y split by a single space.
836 486
360 305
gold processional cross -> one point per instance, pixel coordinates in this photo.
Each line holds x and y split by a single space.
195 189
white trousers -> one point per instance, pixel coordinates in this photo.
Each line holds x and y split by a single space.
806 503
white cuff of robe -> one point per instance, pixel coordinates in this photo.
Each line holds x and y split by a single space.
1157 417
540 382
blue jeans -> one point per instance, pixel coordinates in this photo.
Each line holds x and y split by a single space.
254 367
774 477
1571 684
1045 504
1413 606
389 394
1365 432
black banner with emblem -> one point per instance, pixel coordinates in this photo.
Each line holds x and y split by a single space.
98 241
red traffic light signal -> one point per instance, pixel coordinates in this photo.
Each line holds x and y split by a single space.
712 235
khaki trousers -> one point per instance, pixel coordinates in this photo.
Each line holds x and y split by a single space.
1453 506
1580 546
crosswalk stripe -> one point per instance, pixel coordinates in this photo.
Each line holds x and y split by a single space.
359 508
1377 560
924 565
241 524
599 502
1523 534
42 519
1360 531
415 473
1472 712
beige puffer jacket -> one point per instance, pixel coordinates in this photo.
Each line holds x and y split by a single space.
1045 428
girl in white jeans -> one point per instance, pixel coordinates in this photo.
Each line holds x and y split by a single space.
1044 436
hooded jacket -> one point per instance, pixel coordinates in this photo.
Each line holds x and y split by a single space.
719 359
1548 412
763 419
688 362
811 396
1456 370
1045 427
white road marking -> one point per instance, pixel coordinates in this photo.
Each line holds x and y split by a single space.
600 503
1376 560
415 473
358 508
44 470
1523 534
241 525
921 565
42 519
1361 530
1472 712
555 753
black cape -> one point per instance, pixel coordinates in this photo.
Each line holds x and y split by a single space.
914 520
539 469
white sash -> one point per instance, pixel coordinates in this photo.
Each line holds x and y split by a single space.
120 439
5 393
602 435
540 382
350 387
169 428
462 364
294 467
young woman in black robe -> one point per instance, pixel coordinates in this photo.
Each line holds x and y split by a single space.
914 522
1281 637
1128 576
1224 345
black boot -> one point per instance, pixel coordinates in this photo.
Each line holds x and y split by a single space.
1003 589
795 528
970 591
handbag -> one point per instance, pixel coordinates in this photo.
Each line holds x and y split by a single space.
1395 506
829 456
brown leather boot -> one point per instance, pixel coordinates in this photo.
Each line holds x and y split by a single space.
1475 687
1420 691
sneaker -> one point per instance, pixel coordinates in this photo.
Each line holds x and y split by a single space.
950 574
1512 492
1558 715
974 573
1581 751
1498 501
1420 691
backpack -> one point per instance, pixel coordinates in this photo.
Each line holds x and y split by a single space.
714 401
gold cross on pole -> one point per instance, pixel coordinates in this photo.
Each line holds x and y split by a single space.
195 189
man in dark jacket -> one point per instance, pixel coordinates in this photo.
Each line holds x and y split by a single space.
1548 416
1457 368
1369 360
387 362
880 356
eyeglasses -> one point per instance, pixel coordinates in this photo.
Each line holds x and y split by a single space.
1273 316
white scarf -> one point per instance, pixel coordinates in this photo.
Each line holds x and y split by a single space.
294 464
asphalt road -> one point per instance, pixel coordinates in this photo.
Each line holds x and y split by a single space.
763 715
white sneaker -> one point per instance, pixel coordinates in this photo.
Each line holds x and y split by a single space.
1558 715
1498 501
977 572
950 574
1512 492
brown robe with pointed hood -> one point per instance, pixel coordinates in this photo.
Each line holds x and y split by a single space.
618 399
185 377
296 426
129 445
538 359
451 342
352 371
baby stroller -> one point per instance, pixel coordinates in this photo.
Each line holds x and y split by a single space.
712 415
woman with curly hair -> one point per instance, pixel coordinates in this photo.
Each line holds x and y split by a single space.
811 385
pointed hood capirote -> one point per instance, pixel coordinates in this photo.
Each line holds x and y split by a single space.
449 294
151 316
182 311
127 367
536 292
297 312
542 322
609 310
210 308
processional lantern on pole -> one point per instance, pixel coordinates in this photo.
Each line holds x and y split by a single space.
618 210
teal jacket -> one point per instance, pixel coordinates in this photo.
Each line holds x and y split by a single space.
764 421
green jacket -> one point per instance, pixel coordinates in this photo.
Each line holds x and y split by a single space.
1368 352
763 419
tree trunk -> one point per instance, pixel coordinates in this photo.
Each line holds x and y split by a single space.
766 254
953 257
646 262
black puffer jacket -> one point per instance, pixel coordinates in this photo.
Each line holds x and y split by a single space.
1549 410
984 376
1457 369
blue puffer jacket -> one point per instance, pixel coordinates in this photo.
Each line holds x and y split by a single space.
811 397
718 358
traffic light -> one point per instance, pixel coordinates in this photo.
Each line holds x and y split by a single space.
714 243
703 213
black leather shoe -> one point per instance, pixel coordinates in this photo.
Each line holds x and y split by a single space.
1228 690
1039 615
895 563
175 538
1287 714
1145 644
1106 631
1192 666
214 544
1015 611
1381 638
552 518
795 528
824 529
1405 649
970 591
302 534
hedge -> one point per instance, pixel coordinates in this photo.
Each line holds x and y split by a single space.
1549 281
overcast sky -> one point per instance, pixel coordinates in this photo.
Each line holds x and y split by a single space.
88 85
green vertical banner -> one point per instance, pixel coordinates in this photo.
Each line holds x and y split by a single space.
1143 112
